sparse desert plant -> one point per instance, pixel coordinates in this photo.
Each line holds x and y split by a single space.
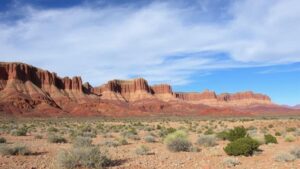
277 133
53 138
149 139
209 131
236 133
52 129
179 144
297 132
111 143
296 152
2 140
38 136
231 162
207 140
19 132
289 138
284 157
223 135
270 139
82 141
14 150
242 146
260 138
87 157
122 141
165 131
175 135
178 141
142 150
290 129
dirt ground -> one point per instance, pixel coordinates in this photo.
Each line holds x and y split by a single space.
160 157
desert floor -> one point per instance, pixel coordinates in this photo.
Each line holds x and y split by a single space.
44 154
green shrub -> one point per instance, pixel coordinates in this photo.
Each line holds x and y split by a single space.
207 140
236 133
223 135
142 150
277 133
19 132
14 150
242 146
56 139
85 157
270 139
2 140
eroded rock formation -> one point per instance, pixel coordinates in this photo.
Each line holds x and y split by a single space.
25 89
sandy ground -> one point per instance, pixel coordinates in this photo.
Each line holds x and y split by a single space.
160 157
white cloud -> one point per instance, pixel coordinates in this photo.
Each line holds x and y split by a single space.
121 42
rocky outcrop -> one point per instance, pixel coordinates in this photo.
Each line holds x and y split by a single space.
27 90
125 90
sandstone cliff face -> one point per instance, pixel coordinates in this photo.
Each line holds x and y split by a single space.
25 89
125 90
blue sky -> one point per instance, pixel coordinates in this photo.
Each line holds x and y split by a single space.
221 45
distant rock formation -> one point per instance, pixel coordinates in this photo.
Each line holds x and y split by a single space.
27 90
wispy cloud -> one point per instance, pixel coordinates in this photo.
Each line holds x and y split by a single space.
124 41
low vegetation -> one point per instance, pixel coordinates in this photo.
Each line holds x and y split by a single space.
242 146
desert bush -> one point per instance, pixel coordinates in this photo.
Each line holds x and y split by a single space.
122 141
86 157
52 129
165 131
142 150
179 144
209 132
223 135
82 141
296 152
175 135
284 157
260 138
270 125
270 139
110 143
291 129
297 132
14 150
289 138
207 140
38 136
56 139
242 146
230 162
2 140
19 132
236 133
149 139
277 133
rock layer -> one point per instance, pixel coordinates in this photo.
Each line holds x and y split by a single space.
27 90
